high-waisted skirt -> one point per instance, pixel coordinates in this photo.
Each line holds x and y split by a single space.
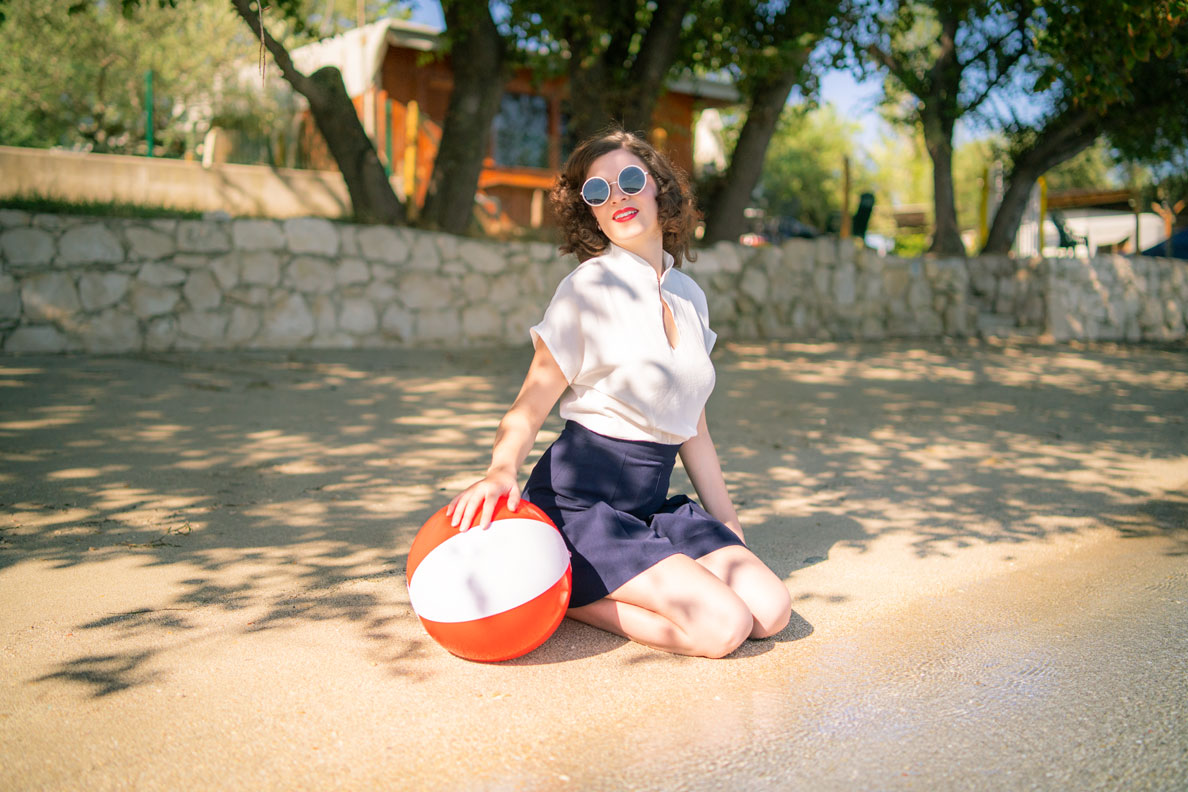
610 499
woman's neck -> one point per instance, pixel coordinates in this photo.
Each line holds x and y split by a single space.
650 250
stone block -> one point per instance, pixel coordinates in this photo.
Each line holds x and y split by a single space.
518 318
250 295
358 317
381 293
919 294
155 273
382 243
420 291
206 326
447 246
202 236
755 284
350 271
312 235
243 325
27 247
425 256
36 340
193 261
721 306
111 331
442 324
311 275
825 250
226 271
260 269
872 329
149 301
93 243
481 322
728 256
845 287
481 257
51 296
823 282
14 218
325 314
798 254
397 322
10 301
55 222
502 290
475 287
148 244
100 289
202 292
287 321
161 334
257 235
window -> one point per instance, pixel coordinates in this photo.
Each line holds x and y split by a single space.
521 131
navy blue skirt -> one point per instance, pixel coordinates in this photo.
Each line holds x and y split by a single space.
610 499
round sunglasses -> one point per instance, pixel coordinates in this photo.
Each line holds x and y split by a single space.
597 190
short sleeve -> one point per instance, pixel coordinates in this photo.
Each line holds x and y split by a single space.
561 329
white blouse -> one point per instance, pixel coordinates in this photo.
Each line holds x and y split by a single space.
605 329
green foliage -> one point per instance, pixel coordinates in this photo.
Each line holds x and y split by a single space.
802 173
911 245
1092 51
91 94
1094 168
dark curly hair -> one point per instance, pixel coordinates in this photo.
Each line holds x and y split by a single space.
676 208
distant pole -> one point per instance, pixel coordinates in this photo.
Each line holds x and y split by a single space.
1043 212
148 105
845 224
984 209
411 126
388 134
1134 203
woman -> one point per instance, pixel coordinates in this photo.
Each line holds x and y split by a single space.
625 345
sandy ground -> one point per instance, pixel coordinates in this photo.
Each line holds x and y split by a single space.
202 556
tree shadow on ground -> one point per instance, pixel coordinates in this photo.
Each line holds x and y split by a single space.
279 489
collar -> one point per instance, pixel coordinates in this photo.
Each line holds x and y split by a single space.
633 262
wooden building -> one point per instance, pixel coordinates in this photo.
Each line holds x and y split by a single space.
401 84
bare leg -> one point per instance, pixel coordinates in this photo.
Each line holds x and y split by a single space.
679 606
764 593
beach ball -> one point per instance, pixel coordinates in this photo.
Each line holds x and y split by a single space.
491 594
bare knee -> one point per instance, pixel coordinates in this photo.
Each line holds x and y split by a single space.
725 631
772 613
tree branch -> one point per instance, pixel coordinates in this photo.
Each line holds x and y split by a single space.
279 54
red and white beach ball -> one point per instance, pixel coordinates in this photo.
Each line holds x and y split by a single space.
490 594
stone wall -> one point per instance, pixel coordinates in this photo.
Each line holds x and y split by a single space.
70 283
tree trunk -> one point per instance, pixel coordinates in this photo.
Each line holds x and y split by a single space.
645 81
938 138
938 116
480 73
724 209
1065 137
602 90
334 114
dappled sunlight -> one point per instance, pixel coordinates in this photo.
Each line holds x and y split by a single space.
950 448
284 489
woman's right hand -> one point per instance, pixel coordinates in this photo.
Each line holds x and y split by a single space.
480 498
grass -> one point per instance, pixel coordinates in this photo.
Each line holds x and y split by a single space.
46 205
